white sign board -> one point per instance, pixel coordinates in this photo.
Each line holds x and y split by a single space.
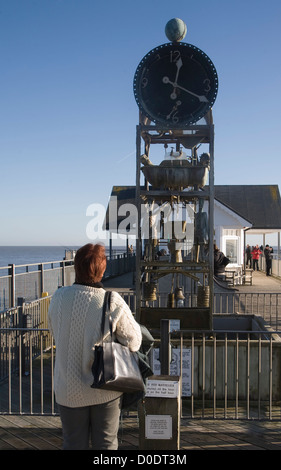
174 325
175 367
158 427
162 388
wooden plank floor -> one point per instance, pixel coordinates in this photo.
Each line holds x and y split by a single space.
44 433
30 432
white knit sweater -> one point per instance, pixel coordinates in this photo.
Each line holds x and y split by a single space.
74 319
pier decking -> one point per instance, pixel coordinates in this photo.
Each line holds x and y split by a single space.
39 432
261 283
44 433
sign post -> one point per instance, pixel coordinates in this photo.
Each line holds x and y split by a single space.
159 414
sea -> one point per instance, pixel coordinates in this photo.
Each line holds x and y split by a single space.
22 255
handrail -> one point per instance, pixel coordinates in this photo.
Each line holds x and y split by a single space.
226 378
23 281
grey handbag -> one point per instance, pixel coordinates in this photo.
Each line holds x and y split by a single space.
115 367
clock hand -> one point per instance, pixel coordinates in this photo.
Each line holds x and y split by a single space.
174 110
179 65
201 98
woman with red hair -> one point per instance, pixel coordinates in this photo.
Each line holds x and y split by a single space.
74 319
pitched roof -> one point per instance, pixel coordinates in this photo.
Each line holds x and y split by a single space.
259 204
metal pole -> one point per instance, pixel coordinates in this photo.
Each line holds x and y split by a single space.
165 347
211 224
22 324
278 255
138 234
42 288
12 296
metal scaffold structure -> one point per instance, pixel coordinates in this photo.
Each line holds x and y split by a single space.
175 248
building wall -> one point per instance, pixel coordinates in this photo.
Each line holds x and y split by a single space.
229 234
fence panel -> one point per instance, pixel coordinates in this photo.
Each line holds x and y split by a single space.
30 388
32 280
28 315
228 375
231 375
266 305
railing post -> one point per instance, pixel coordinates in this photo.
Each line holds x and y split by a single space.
165 347
278 255
41 270
22 324
12 290
62 273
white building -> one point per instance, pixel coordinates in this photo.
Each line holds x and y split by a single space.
239 210
229 230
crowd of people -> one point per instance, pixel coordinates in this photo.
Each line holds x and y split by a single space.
252 259
253 255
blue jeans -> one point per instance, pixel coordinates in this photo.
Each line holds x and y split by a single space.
100 422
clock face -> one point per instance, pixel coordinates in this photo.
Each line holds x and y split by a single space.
175 84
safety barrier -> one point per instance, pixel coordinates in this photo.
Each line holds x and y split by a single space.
29 281
225 375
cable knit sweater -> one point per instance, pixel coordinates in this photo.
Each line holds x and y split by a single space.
74 319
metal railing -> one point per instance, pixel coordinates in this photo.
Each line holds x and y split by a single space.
267 305
29 281
225 375
26 316
276 265
28 388
34 315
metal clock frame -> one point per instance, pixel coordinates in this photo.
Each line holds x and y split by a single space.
190 318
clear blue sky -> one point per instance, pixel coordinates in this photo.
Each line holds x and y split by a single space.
68 114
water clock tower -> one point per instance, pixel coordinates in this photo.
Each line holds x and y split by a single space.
175 87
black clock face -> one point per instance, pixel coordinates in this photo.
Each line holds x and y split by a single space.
175 84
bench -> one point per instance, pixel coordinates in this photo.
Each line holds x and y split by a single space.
248 277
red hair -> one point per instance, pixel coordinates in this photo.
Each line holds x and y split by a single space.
89 264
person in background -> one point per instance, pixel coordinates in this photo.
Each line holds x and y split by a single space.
256 252
74 318
220 262
248 256
268 259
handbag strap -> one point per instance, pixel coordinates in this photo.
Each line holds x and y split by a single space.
106 307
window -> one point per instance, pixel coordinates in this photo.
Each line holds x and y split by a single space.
231 249
231 244
231 233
